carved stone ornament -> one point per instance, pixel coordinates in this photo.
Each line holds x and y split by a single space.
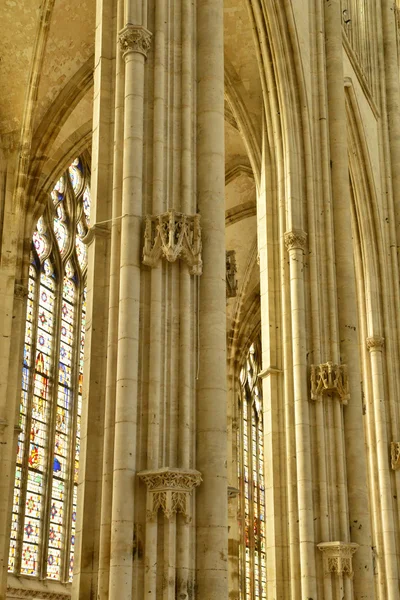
134 38
329 378
338 557
20 291
295 240
17 593
375 343
170 491
231 270
233 492
395 455
173 235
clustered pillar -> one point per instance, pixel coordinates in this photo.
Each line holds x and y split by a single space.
163 517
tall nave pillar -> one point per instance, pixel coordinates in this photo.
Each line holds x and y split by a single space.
158 189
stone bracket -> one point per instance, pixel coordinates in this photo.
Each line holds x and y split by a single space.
395 455
231 270
329 378
173 235
338 557
170 490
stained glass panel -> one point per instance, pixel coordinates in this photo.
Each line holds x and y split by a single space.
47 462
75 175
251 478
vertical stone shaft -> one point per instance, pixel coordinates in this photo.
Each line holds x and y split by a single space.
296 243
112 338
186 284
156 333
375 346
352 462
391 75
125 447
212 510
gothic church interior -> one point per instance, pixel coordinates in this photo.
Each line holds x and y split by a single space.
200 299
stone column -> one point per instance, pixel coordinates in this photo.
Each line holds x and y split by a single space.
375 345
296 243
13 295
135 42
351 500
211 416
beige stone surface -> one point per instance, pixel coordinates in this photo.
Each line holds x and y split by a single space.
276 126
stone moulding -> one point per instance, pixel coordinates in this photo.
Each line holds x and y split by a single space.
26 593
338 557
395 455
170 490
173 235
134 38
329 378
231 270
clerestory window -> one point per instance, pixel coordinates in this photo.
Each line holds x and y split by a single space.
46 475
252 557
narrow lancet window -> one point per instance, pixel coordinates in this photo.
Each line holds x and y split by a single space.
253 579
46 475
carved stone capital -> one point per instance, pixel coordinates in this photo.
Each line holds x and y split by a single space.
375 343
170 491
329 378
20 291
134 38
173 235
232 492
231 270
295 240
395 455
338 557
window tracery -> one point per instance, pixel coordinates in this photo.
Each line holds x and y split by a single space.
253 577
46 475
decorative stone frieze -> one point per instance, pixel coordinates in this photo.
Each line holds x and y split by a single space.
17 593
134 38
173 235
395 455
231 270
233 492
170 491
375 343
338 557
329 378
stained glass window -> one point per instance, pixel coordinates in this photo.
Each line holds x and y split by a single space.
253 577
46 475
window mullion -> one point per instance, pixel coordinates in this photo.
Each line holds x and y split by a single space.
72 434
51 429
